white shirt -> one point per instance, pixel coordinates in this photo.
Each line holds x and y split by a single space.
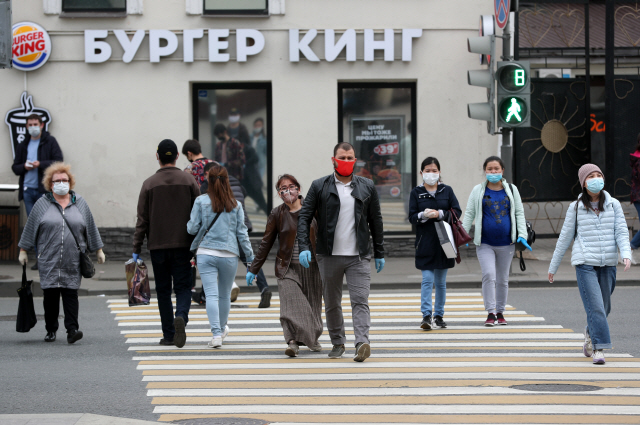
216 252
344 239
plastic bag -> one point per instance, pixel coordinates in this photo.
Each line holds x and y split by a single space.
137 282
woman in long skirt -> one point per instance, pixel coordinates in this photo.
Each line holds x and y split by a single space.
300 289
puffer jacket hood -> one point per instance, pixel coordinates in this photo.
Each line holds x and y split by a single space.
599 236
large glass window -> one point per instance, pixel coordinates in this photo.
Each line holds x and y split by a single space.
94 5
236 7
378 119
245 112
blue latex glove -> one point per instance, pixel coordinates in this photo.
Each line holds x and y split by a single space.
135 257
379 264
250 277
523 241
305 258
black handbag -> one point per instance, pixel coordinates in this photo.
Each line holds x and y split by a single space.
87 269
26 318
531 238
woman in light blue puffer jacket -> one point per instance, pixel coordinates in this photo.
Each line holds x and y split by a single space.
597 226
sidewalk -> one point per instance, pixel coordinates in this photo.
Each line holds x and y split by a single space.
68 419
398 273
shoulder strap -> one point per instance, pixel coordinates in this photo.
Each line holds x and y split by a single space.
209 228
70 229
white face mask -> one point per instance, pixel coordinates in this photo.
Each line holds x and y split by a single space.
430 178
61 188
34 131
289 196
234 118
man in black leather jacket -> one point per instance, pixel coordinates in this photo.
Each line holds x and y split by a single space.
348 213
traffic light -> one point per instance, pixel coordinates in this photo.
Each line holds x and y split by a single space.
514 94
483 78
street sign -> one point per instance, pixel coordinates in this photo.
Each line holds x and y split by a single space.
502 8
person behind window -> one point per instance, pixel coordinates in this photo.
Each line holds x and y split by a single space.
495 207
57 220
217 248
300 288
236 129
635 198
431 202
34 155
252 180
259 143
347 209
192 150
228 152
597 226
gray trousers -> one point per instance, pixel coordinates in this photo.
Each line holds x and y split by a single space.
333 268
495 262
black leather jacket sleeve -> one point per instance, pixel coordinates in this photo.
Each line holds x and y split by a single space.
374 216
305 217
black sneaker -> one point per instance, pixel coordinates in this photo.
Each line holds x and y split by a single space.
265 299
51 336
166 342
438 322
337 351
180 338
73 336
363 351
426 323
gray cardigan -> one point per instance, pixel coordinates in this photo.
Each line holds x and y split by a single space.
58 257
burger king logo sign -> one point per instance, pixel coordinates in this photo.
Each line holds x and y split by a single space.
31 46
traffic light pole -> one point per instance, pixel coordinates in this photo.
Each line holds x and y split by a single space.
506 150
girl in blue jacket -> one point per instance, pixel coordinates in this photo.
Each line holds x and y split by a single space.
596 225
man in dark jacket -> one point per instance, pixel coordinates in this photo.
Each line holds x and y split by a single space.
164 208
33 156
239 193
348 212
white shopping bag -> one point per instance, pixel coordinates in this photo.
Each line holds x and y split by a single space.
445 235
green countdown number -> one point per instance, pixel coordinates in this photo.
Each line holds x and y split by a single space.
519 77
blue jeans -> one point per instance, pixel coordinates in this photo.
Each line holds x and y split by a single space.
635 242
596 284
172 267
217 274
429 278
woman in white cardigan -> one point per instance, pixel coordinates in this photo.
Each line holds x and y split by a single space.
596 224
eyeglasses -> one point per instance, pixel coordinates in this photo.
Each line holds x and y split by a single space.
60 181
290 187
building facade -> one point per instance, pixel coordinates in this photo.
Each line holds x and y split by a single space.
387 76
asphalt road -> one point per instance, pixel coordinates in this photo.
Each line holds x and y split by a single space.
97 374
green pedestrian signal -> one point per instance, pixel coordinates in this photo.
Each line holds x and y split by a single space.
514 94
513 110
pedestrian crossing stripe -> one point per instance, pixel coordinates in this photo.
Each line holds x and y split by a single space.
466 373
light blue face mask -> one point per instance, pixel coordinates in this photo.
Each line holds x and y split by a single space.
494 178
595 185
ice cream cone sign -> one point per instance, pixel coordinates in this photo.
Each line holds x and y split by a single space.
16 119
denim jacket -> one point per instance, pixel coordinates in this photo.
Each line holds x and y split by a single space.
224 234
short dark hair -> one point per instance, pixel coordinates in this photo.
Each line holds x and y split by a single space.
209 166
428 161
344 146
193 146
219 129
35 117
491 159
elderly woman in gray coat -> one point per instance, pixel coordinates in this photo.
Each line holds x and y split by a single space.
58 255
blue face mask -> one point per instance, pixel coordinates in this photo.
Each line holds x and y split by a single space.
595 185
494 178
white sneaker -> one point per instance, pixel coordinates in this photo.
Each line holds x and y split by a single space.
225 332
587 347
235 290
216 342
598 357
635 256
